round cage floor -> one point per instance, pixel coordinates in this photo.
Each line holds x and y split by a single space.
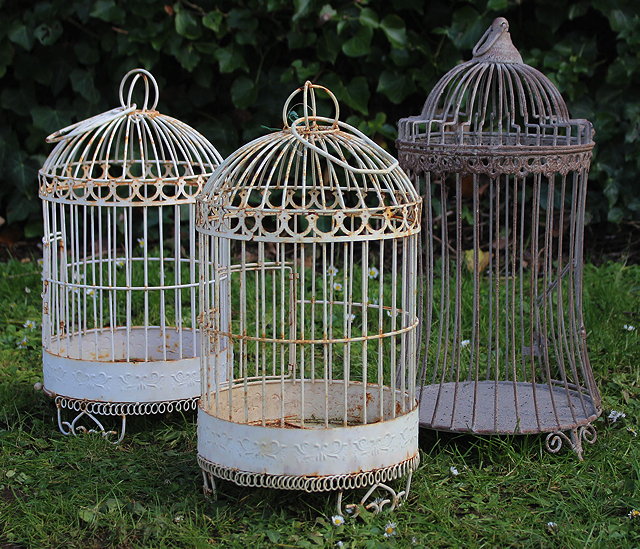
493 409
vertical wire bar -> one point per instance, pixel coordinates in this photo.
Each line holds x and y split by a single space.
346 277
261 313
364 332
177 279
382 356
128 234
163 320
394 312
326 280
457 333
192 276
145 264
242 332
474 361
511 247
301 331
533 291
495 250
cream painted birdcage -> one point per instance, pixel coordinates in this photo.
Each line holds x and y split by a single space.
309 236
505 170
119 326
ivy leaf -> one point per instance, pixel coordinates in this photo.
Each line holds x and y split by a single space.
357 96
48 34
497 5
109 11
48 119
82 83
213 21
301 8
358 45
230 59
243 92
393 27
19 34
369 18
187 24
396 86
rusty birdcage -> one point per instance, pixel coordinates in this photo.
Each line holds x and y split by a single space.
309 236
120 273
504 171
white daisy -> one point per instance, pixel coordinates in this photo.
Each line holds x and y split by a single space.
629 327
90 292
119 263
351 317
141 242
454 471
22 343
337 286
332 271
614 416
27 290
634 514
337 520
552 526
373 272
465 343
632 431
390 529
30 324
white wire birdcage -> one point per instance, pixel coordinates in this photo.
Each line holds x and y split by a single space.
505 169
120 273
314 230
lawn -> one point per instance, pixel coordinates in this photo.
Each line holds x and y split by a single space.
62 491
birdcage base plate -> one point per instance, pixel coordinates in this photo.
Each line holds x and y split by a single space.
488 407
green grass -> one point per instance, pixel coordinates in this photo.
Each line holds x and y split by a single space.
61 491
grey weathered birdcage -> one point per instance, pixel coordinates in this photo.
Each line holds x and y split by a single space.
315 230
120 275
504 169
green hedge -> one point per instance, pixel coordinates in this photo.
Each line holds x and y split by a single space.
226 68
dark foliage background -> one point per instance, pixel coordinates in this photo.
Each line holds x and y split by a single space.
226 68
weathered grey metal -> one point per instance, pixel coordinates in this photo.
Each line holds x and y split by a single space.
120 270
503 170
309 236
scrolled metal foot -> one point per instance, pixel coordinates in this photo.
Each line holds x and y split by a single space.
387 500
75 428
584 433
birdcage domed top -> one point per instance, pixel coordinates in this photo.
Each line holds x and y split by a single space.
495 100
128 155
316 179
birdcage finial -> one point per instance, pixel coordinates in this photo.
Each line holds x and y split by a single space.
495 45
309 99
146 76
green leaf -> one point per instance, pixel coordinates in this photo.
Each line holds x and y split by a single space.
109 11
358 94
213 20
48 34
393 27
615 215
396 86
243 92
82 83
301 8
360 44
48 119
497 5
187 24
230 59
19 34
369 18
87 515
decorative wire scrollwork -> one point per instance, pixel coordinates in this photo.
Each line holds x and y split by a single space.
74 428
586 433
390 499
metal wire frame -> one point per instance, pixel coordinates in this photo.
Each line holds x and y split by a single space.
308 237
120 268
503 169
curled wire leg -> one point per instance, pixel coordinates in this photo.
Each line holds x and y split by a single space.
575 438
75 426
379 497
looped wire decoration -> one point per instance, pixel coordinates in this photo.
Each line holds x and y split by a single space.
147 77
